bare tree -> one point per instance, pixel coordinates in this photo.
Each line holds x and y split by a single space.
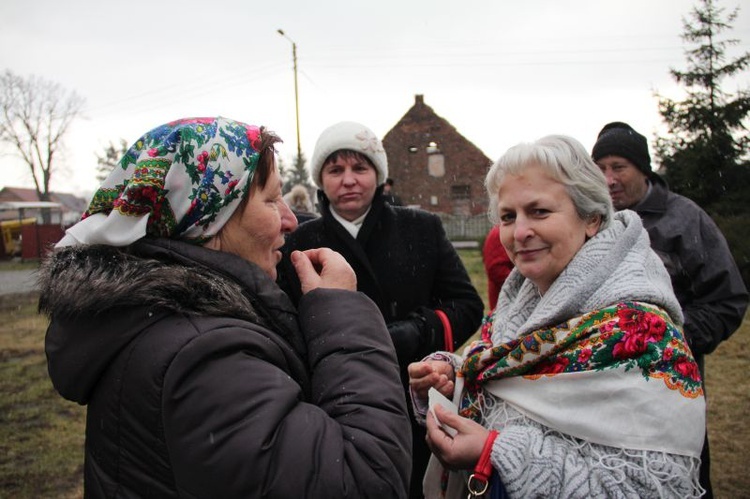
36 116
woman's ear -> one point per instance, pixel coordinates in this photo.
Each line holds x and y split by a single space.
592 225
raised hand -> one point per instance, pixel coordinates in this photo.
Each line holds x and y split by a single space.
323 268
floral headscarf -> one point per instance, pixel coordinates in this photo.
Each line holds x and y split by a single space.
182 180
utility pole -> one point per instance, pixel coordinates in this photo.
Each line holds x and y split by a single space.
296 92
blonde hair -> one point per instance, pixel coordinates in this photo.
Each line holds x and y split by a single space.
299 199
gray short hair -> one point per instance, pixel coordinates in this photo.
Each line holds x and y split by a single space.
567 161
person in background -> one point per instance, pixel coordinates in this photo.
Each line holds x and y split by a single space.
402 257
582 372
497 265
704 275
201 378
389 195
299 201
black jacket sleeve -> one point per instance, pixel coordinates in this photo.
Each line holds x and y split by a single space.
237 425
713 297
454 294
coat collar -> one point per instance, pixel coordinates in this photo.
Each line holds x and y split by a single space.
656 200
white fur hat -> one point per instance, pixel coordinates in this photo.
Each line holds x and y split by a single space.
354 137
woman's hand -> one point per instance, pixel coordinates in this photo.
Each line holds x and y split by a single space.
462 451
428 374
323 268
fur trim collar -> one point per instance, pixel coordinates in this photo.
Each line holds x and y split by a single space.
89 280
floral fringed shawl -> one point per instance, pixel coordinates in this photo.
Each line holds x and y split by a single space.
619 376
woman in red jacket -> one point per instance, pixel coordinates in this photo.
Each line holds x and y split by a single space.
496 264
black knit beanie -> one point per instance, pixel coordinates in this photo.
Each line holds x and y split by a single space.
619 139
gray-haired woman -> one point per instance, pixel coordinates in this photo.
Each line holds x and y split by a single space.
581 374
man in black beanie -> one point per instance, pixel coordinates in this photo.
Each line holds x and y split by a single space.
629 186
704 274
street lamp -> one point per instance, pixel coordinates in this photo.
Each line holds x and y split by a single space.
296 94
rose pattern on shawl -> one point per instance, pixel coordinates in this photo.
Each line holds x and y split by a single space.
640 329
629 335
686 368
553 366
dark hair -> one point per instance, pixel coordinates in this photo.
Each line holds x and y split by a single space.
346 154
266 160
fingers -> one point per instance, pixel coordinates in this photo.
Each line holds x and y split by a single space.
445 386
419 369
447 417
424 368
335 271
308 277
439 381
463 425
428 374
318 256
437 439
323 268
442 367
434 432
462 450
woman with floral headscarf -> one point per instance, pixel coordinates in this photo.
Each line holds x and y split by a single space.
201 378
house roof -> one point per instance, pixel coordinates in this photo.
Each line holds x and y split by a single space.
421 117
70 202
22 205
18 194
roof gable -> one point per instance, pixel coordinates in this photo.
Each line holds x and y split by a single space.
422 119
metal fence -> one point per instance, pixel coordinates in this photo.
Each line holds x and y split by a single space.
465 228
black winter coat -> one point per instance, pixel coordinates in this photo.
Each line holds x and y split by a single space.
404 262
200 382
407 265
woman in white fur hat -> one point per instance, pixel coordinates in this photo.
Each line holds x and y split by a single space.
403 260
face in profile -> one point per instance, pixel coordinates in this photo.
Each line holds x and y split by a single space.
256 230
539 226
627 184
349 183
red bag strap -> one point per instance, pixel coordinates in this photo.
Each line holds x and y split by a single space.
447 330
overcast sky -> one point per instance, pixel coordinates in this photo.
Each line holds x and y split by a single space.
500 71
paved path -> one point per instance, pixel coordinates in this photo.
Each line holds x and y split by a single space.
17 281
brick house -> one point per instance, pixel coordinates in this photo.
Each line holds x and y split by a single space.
434 167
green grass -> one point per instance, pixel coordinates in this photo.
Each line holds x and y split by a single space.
472 259
728 396
19 265
41 435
